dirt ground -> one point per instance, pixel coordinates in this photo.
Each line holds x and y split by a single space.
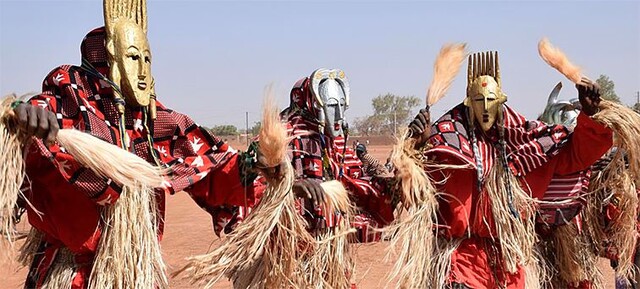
189 232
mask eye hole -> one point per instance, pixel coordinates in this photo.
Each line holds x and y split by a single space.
490 97
332 102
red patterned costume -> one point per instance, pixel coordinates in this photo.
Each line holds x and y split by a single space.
535 153
69 198
317 157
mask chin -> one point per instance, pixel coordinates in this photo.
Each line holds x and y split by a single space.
334 129
486 123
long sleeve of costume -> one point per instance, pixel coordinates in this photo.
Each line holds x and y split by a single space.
214 174
62 96
589 142
317 158
371 196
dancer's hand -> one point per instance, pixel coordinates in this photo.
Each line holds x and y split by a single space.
589 96
37 121
310 190
419 127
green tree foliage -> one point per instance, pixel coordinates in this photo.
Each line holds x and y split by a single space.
607 88
226 129
390 113
255 130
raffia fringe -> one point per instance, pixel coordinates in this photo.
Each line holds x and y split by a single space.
61 272
12 172
29 248
128 255
412 237
617 180
573 259
273 249
332 265
516 234
442 262
265 250
273 134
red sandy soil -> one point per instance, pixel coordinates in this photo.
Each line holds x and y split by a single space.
189 232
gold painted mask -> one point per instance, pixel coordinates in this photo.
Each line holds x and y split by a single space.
484 98
130 62
484 95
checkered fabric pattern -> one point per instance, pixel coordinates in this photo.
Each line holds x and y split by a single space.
530 144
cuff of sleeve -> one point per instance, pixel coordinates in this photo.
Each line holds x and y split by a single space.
15 103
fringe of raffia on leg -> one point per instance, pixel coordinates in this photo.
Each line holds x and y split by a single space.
515 234
264 251
128 255
30 247
331 264
62 271
412 237
573 256
12 173
621 178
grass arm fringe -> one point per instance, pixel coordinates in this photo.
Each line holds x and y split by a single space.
264 251
616 179
412 237
12 173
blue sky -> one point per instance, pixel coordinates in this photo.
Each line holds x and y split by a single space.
212 59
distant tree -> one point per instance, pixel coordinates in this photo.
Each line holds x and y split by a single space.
636 107
390 112
607 88
226 129
255 129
